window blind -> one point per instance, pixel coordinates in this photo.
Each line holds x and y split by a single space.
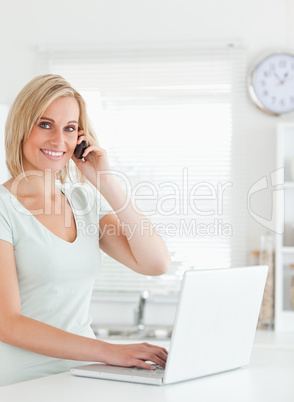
4 174
171 119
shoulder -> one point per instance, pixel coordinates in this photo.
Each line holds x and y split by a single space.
5 197
7 184
6 227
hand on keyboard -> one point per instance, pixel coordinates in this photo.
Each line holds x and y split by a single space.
136 355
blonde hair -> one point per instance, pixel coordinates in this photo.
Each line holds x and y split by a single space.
26 110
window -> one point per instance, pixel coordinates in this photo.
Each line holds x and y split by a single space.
4 173
172 122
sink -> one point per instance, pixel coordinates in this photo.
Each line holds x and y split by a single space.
132 332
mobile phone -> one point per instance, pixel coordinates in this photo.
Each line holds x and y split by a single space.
80 149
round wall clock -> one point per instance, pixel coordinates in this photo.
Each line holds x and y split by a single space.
271 83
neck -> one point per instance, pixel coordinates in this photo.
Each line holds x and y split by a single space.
35 184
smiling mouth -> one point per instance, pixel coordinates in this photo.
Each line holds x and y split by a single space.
55 156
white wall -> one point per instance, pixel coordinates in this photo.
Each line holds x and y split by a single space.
263 24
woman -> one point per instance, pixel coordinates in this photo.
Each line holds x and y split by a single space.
48 258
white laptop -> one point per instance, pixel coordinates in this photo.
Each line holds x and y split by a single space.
213 332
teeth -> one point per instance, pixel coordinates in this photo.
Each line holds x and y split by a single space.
52 153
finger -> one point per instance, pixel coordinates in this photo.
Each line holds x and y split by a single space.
156 359
81 138
160 353
93 148
156 347
152 357
143 365
160 356
163 350
147 352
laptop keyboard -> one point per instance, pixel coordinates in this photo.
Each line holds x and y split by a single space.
157 371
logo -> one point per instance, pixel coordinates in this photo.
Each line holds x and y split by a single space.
277 221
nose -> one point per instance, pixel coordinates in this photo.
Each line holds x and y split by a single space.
57 138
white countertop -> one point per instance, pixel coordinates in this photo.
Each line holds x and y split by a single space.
269 377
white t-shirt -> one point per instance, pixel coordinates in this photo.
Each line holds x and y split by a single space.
55 277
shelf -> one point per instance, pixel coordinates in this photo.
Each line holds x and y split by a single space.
288 184
284 210
287 250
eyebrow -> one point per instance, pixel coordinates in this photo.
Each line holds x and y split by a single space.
47 118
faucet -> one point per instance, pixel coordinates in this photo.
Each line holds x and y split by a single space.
140 309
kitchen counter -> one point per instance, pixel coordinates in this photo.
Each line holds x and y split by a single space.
268 378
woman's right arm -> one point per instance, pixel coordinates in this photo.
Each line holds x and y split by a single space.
37 337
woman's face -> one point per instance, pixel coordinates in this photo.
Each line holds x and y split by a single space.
57 132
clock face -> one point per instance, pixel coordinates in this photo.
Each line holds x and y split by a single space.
272 85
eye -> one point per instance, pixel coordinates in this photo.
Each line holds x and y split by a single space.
70 128
44 125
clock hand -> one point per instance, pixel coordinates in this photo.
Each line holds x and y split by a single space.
276 75
285 78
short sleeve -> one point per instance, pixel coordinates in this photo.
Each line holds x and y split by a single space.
5 224
104 206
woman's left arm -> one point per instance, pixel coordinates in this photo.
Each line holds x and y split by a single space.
127 236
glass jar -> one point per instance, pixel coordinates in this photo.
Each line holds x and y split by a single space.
254 257
267 257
